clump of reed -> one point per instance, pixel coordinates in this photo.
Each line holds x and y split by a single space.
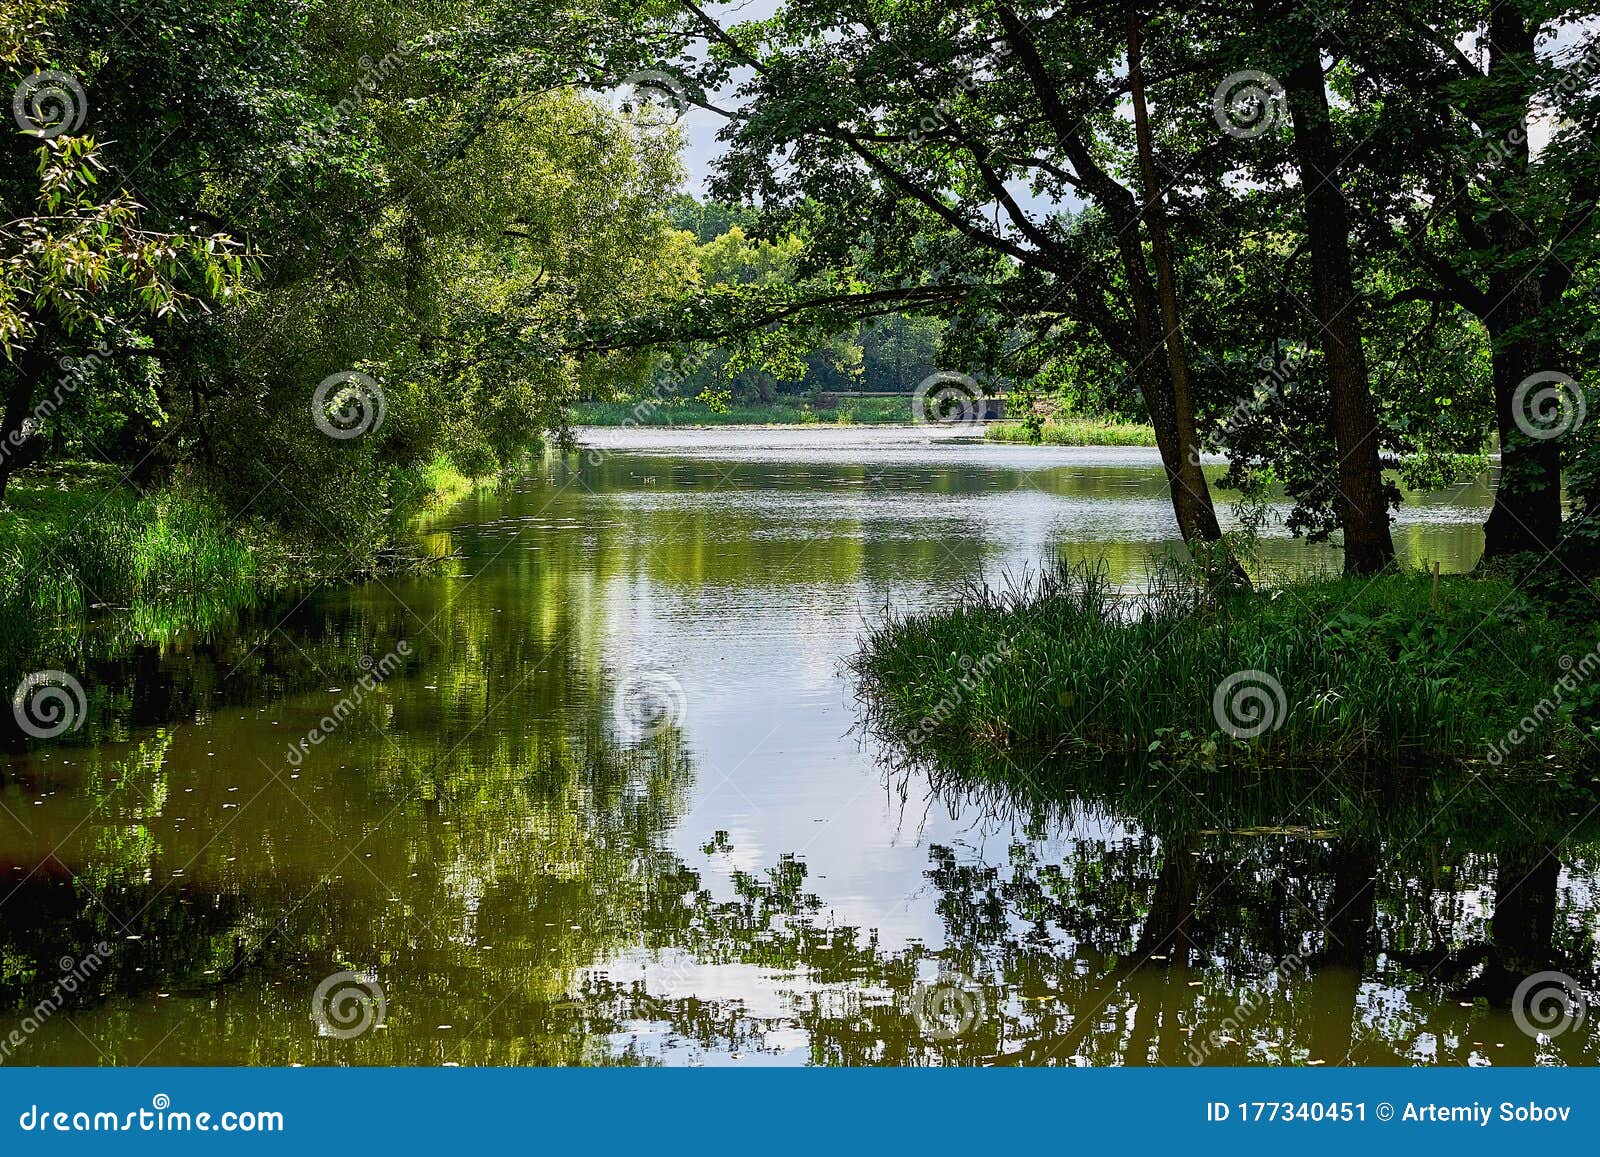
1388 667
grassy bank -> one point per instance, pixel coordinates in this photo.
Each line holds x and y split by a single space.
1077 432
1316 671
76 543
783 412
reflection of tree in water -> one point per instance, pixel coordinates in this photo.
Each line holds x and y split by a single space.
1248 919
471 835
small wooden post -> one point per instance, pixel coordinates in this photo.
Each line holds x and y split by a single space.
1433 602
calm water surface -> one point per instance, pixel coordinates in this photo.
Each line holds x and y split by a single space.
534 867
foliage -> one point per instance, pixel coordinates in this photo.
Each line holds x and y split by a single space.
1378 669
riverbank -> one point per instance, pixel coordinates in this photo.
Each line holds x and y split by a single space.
781 412
1076 432
1322 670
76 541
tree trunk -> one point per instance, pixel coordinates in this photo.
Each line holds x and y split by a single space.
1527 501
1190 479
1362 503
1526 515
1177 441
19 447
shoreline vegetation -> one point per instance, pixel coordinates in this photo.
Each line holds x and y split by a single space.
784 411
1389 668
79 546
1076 432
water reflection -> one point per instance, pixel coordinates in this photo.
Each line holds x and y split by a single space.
531 879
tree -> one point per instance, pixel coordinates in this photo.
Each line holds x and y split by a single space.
921 119
82 269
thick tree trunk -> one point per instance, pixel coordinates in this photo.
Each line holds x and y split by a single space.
1527 502
1526 515
1362 504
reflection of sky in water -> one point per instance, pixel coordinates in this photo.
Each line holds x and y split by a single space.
770 714
480 841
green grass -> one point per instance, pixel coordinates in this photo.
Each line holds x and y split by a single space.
1077 432
73 541
76 544
783 412
1369 669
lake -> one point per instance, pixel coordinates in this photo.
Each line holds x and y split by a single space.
595 790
